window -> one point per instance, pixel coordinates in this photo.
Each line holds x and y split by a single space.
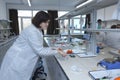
24 13
26 22
63 23
20 28
76 23
83 20
61 13
34 12
24 18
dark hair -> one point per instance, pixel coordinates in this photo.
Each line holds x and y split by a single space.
99 20
113 27
118 26
40 17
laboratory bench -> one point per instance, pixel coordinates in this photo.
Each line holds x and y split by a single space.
65 34
74 68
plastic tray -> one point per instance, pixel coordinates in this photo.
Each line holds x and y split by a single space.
111 74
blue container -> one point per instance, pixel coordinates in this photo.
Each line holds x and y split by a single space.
108 65
98 49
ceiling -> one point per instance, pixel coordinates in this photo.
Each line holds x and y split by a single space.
48 4
96 4
65 5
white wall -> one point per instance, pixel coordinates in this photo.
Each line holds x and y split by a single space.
3 13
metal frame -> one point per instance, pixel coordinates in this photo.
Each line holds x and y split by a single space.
90 9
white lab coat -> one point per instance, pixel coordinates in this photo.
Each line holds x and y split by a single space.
20 59
100 37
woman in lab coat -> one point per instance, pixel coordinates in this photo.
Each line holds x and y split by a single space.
20 59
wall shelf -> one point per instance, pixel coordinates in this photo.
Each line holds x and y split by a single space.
5 20
112 20
5 29
114 52
8 40
66 29
99 30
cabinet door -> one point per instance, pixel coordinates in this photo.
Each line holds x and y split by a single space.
55 71
100 14
109 11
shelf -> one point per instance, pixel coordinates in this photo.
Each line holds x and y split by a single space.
66 29
98 30
8 40
72 34
114 52
107 30
6 29
111 20
61 28
51 35
93 30
5 20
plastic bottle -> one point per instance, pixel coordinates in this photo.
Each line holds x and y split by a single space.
98 49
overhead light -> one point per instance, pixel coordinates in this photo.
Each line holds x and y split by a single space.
29 3
80 5
80 2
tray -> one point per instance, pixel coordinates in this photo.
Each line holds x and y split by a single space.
89 54
109 74
114 52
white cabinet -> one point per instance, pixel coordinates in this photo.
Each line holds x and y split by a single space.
55 70
109 12
101 14
4 29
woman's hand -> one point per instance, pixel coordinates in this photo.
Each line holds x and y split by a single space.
60 51
118 51
100 44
